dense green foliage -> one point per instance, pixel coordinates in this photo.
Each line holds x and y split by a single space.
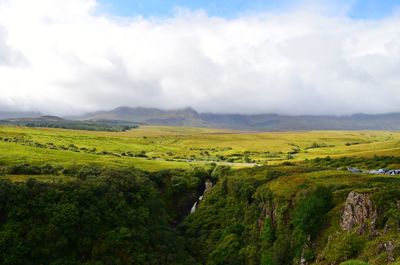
249 219
374 162
116 218
272 215
344 247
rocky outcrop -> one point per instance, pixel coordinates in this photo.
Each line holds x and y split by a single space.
358 212
389 248
307 246
268 212
208 186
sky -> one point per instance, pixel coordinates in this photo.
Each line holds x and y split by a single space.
234 8
66 57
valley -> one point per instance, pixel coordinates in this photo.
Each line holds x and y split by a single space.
198 196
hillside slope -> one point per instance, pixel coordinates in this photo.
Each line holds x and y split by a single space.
187 116
274 122
296 215
266 122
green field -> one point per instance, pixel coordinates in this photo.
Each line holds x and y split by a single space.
158 147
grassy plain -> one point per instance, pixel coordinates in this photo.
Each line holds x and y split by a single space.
162 147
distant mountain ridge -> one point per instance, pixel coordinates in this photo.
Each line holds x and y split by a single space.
182 117
264 122
14 115
45 118
190 117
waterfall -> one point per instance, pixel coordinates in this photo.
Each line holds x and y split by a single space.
207 187
193 208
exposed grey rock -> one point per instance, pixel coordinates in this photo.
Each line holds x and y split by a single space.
208 186
268 212
307 245
389 247
358 211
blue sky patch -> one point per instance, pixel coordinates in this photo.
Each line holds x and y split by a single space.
363 9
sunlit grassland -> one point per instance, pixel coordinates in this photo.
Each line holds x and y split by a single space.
287 186
12 154
42 178
183 147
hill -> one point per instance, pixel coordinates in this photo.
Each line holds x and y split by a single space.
186 116
274 122
266 122
57 122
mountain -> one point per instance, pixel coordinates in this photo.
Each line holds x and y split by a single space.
274 122
13 115
263 122
40 119
186 116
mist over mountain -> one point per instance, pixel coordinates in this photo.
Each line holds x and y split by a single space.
186 116
15 114
267 122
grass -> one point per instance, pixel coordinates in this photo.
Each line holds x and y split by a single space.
183 147
42 178
287 186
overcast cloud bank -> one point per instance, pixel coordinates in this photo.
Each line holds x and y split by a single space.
62 57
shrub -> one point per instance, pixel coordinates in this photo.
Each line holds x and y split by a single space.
227 252
71 170
89 171
184 183
140 154
48 169
309 213
25 169
342 247
386 203
354 262
219 171
267 234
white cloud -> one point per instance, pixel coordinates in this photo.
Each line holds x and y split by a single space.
61 57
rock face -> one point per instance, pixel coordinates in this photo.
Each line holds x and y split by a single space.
268 212
208 186
389 248
358 211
